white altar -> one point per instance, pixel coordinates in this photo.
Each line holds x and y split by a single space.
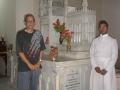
65 74
71 70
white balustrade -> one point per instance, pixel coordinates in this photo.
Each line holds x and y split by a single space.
13 78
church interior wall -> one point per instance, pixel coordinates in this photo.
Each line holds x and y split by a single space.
7 20
1 18
12 18
111 13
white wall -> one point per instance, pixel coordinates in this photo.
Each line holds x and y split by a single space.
2 19
111 13
12 15
22 7
7 20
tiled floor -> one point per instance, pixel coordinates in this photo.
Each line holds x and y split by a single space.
4 85
118 79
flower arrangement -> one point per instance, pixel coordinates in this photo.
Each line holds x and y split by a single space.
54 52
66 34
10 47
2 38
47 40
58 27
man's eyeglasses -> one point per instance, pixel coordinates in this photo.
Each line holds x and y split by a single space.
30 21
103 27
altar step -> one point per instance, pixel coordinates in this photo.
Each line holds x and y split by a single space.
74 55
74 47
76 52
77 48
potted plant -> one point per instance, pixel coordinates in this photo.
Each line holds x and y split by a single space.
2 38
10 47
67 35
53 53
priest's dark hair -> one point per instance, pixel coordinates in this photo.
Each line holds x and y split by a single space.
25 17
103 22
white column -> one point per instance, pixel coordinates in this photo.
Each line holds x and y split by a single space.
50 7
66 8
12 69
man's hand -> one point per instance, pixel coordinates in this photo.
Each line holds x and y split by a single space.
97 69
38 64
103 72
32 67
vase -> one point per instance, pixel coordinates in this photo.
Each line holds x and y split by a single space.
10 51
54 59
60 39
2 39
68 46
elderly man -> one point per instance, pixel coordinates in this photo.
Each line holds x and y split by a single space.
29 48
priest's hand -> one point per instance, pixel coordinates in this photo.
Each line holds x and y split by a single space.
97 69
103 72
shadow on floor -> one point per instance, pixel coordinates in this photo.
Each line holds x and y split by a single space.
3 83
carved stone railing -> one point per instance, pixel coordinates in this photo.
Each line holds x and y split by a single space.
82 22
13 78
84 30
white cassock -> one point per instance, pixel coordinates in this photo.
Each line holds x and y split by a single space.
103 53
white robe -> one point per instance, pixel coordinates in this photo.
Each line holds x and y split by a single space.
103 53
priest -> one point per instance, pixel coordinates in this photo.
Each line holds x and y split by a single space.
103 54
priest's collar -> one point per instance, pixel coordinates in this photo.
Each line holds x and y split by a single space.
105 35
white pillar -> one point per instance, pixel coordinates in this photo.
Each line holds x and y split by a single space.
66 8
50 7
